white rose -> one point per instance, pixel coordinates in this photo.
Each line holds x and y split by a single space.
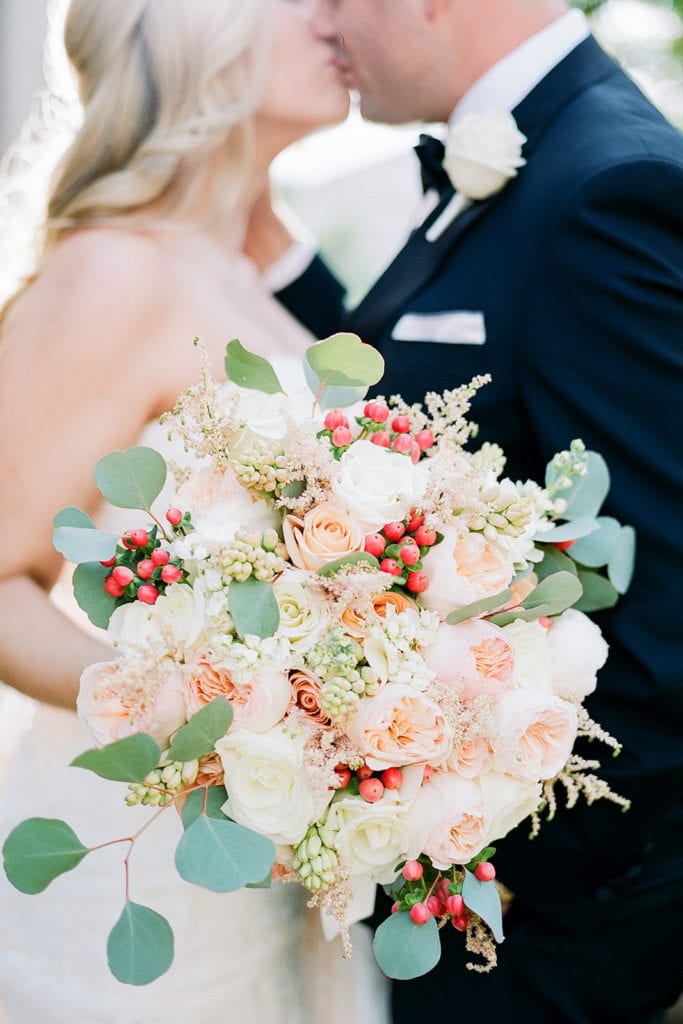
533 659
267 785
303 615
448 821
483 152
177 614
372 838
578 650
377 486
265 418
536 733
508 801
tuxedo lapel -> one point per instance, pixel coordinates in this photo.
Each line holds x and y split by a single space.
420 260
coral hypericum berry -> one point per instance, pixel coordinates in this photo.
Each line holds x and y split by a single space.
113 588
392 778
401 424
174 516
460 922
335 418
147 593
417 582
485 871
375 544
160 556
419 914
122 575
371 790
394 531
341 437
412 870
381 439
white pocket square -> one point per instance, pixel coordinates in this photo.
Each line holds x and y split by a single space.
463 327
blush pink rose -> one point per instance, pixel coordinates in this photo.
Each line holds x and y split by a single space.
448 821
473 657
400 726
325 534
536 733
113 708
257 705
470 759
462 570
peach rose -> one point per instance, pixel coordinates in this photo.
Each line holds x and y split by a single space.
306 696
355 623
448 821
462 570
257 705
399 726
203 682
112 708
325 534
536 734
473 657
470 759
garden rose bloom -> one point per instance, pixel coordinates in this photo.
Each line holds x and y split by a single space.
305 689
536 734
325 534
508 802
204 681
399 726
372 838
303 614
112 709
470 758
257 705
268 789
473 657
220 507
448 821
533 655
577 650
355 624
463 570
378 486
179 613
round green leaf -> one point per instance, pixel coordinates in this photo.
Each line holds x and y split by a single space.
587 493
253 608
471 611
356 558
249 370
88 583
595 549
222 856
194 804
73 517
554 561
140 946
484 900
39 850
84 544
128 760
579 527
333 398
405 950
622 559
598 592
201 732
345 361
132 478
556 592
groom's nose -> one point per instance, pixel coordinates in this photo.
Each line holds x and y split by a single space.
322 20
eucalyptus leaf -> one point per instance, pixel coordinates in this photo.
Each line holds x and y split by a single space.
596 549
557 592
131 479
249 370
598 592
84 544
343 360
39 850
127 760
356 558
622 559
579 527
554 561
194 804
253 608
483 899
222 856
471 611
201 732
88 583
405 950
587 493
72 516
140 946
333 397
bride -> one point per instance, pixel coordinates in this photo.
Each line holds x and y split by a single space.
184 106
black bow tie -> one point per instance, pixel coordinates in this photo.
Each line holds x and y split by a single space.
430 152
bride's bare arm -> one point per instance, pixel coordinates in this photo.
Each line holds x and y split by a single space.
78 378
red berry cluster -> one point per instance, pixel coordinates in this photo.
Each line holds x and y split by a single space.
440 897
141 569
367 783
396 435
338 430
400 547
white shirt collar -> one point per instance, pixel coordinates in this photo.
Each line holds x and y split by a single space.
506 84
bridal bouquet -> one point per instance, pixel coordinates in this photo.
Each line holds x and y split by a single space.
349 650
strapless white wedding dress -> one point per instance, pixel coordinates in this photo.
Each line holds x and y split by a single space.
253 955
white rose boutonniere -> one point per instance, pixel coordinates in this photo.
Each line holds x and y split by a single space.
483 152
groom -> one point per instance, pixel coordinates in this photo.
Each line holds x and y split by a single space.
565 284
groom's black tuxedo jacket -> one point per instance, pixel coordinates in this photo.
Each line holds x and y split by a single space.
577 268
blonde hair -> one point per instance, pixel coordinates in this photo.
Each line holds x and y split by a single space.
163 84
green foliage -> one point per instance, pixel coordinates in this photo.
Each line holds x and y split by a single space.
554 561
587 493
622 559
194 804
357 558
553 595
39 850
84 544
249 370
88 584
253 608
128 760
598 592
342 361
406 950
200 734
595 549
132 478
222 856
73 517
483 899
332 397
471 611
140 946
581 526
